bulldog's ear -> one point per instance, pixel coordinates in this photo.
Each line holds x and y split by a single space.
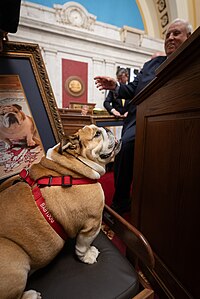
71 142
23 115
18 107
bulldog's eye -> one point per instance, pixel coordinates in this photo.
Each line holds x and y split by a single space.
98 133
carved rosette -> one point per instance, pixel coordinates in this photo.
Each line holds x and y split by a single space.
74 14
163 14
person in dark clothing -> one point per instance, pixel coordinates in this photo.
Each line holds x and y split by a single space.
9 18
113 104
177 32
9 15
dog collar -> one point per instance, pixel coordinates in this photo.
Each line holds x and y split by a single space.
63 181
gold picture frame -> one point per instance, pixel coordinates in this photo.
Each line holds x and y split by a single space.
24 62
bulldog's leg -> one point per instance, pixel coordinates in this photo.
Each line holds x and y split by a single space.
29 140
14 268
86 253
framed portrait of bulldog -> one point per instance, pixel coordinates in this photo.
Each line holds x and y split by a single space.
29 119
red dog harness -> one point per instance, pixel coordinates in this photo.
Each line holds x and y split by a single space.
64 181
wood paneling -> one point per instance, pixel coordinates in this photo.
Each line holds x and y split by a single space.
166 189
72 120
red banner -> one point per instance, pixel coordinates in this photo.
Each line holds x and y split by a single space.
74 82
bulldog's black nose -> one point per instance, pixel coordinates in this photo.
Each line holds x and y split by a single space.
12 118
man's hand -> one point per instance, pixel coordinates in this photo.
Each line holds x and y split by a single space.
103 82
116 113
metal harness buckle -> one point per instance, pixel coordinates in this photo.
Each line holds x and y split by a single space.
50 181
66 185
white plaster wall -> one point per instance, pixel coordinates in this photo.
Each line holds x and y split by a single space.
182 9
102 46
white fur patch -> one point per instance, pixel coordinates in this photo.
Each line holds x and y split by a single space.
95 166
31 294
86 253
49 152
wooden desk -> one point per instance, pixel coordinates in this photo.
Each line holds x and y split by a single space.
166 183
73 120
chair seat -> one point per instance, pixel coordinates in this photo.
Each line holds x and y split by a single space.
68 278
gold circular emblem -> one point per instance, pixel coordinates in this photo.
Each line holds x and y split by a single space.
74 86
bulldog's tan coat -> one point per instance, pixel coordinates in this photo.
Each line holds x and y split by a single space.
27 241
16 125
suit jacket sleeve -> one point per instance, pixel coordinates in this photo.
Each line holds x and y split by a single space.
144 77
108 101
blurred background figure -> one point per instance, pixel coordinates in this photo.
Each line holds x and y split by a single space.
84 110
114 104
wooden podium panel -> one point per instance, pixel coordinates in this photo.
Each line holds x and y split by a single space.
166 184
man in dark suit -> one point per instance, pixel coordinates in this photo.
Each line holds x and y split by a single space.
113 104
177 32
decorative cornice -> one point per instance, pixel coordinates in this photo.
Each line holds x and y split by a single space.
74 14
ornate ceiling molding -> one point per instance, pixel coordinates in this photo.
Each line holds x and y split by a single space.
157 14
163 14
74 14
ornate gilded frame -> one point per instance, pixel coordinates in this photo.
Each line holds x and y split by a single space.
17 58
24 61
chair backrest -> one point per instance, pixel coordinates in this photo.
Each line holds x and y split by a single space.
132 237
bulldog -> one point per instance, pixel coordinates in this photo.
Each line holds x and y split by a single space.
66 179
16 125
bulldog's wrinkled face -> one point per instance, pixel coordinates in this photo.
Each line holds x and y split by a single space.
11 116
93 143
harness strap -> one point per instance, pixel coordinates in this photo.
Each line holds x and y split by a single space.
64 181
25 176
47 215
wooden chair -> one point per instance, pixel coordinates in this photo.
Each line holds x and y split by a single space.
136 245
113 276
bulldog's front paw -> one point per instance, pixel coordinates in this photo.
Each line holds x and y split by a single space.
91 255
31 143
31 294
